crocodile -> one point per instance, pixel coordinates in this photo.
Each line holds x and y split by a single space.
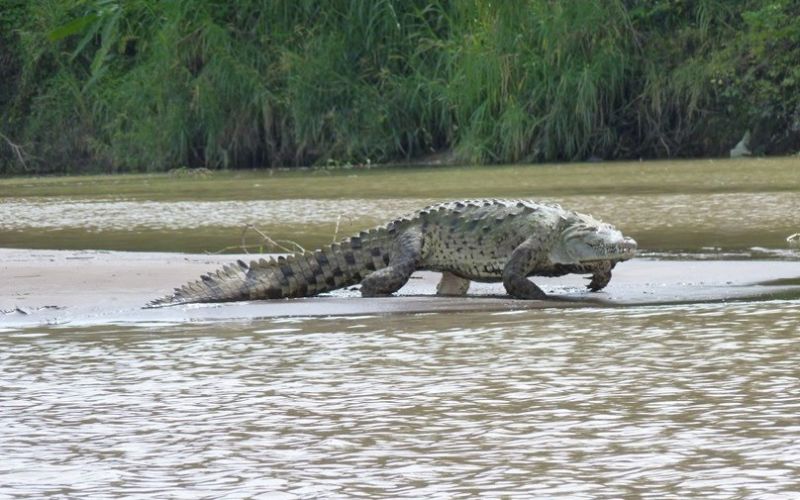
473 240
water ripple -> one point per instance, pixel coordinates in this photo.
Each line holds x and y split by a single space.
105 215
732 212
651 402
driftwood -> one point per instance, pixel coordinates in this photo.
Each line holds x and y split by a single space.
266 240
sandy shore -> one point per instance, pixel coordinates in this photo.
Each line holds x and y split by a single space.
46 287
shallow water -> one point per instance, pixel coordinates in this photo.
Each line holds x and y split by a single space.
657 402
665 222
744 212
666 205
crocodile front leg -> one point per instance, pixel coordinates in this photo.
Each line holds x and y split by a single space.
601 277
406 254
515 273
452 285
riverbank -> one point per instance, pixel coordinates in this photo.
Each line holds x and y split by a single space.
698 176
77 288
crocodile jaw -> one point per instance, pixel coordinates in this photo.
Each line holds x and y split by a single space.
585 243
619 251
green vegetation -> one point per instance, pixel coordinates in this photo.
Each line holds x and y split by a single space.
144 85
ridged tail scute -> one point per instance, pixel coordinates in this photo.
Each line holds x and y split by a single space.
211 287
301 275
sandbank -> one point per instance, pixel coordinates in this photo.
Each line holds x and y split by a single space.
65 287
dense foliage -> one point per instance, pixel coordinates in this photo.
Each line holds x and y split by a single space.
119 85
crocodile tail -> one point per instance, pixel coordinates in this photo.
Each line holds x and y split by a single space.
223 284
300 275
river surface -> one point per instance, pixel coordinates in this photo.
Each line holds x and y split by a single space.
658 402
696 400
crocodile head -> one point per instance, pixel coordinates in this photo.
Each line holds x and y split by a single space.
794 240
585 239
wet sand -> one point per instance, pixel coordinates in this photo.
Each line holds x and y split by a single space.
54 287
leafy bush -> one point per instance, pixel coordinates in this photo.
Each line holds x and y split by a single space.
115 85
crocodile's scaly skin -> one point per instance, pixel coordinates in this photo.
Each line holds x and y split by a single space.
475 240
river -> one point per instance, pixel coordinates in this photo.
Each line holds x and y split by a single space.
692 398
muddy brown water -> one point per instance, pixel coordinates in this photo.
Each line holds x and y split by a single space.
692 401
697 399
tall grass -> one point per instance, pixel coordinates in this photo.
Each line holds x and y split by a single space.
274 83
539 80
118 85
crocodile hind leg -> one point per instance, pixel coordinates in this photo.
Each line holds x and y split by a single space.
452 285
406 255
